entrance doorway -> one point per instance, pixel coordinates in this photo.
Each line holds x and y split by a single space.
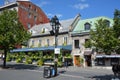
87 60
77 60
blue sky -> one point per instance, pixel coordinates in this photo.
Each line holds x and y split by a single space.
66 9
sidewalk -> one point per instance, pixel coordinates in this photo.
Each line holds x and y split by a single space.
102 67
75 68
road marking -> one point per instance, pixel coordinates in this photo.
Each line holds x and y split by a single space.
73 76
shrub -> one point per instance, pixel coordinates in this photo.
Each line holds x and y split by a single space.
19 60
28 60
59 64
40 62
8 59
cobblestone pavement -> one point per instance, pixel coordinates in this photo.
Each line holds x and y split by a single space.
33 72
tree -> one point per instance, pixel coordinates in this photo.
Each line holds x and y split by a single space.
116 28
104 38
12 32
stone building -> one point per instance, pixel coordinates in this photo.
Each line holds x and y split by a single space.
42 40
80 35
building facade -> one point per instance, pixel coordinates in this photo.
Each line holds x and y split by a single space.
42 40
73 34
29 14
80 35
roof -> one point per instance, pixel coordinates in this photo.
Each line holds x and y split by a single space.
65 27
67 47
38 29
80 26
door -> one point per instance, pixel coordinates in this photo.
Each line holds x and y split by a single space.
77 60
88 60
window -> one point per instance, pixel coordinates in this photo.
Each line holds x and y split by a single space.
43 30
76 43
29 25
65 41
48 43
87 26
35 18
29 15
35 10
33 43
100 61
114 61
30 6
39 44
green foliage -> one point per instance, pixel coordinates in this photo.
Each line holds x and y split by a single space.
59 63
28 60
40 62
65 43
50 56
8 57
81 60
68 55
116 29
88 44
19 60
116 26
103 38
12 32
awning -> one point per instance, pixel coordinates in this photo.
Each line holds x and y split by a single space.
87 52
67 47
108 56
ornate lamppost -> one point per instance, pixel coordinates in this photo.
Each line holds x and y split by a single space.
54 22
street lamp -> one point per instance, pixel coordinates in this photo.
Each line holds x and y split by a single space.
54 22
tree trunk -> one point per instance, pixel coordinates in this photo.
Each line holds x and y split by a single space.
4 58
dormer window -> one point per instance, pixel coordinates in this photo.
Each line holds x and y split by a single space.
107 23
43 30
87 26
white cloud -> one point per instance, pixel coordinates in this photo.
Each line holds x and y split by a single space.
43 3
81 6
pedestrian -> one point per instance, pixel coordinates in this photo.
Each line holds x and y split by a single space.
66 64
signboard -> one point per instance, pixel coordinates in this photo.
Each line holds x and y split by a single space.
57 50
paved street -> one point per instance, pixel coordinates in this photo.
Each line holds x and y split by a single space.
32 72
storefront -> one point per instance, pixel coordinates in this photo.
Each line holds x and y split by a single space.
48 52
107 60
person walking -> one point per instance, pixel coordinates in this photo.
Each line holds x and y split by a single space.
66 63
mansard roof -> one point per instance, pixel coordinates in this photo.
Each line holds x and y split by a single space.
80 26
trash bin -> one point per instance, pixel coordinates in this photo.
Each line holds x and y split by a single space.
47 72
52 71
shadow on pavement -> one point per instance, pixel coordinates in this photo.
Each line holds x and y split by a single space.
62 71
20 66
105 77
